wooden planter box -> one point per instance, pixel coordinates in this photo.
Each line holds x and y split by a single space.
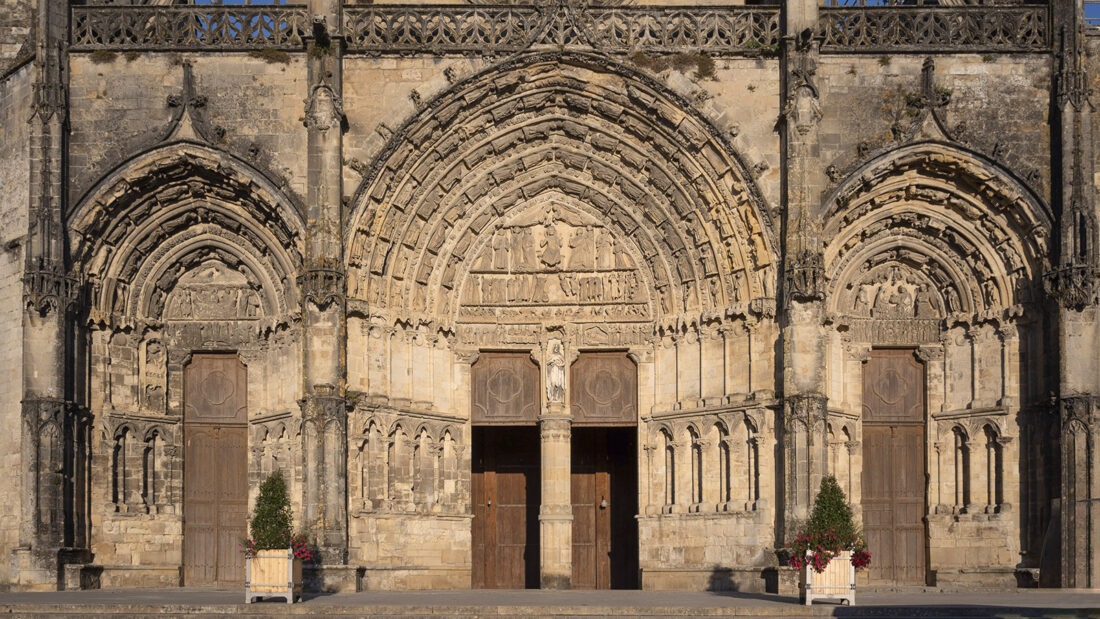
273 573
837 582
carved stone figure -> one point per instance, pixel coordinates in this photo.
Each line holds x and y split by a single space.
555 372
551 247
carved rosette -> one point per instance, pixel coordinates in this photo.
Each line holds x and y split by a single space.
1074 286
322 287
48 289
806 277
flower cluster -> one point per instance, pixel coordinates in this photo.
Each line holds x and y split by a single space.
817 550
304 551
298 544
861 557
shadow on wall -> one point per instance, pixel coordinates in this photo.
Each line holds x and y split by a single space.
721 580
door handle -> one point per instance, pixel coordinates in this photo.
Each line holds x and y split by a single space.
490 503
603 503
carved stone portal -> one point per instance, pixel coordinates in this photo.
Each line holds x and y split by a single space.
554 262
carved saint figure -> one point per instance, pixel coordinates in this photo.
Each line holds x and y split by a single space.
905 304
926 306
581 246
863 301
555 372
523 248
500 251
551 247
605 258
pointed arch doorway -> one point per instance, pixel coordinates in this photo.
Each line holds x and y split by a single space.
215 470
893 466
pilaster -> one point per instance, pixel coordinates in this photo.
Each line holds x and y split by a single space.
321 285
54 446
1072 284
804 442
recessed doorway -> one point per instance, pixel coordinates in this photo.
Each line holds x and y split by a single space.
605 501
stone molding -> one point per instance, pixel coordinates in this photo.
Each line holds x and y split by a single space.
48 289
939 28
495 29
1074 286
189 27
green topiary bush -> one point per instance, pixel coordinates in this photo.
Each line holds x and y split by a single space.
830 531
831 513
272 522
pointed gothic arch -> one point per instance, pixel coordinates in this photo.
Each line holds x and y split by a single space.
165 213
559 140
972 238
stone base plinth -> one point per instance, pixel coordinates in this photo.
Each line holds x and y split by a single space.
412 578
747 579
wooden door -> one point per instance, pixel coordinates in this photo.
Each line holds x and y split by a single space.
215 471
506 496
894 467
605 502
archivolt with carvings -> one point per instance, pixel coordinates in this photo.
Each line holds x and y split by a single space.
187 233
931 232
574 182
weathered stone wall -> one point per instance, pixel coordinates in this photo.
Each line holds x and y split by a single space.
15 29
411 551
253 107
996 104
15 109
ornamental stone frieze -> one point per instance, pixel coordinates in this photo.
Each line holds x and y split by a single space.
1074 287
47 289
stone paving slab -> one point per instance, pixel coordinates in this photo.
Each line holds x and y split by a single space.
204 602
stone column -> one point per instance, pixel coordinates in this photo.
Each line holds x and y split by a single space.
556 510
54 428
804 429
1072 284
322 286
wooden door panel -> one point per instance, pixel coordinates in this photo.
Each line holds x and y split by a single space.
505 490
215 479
583 492
894 483
604 496
603 512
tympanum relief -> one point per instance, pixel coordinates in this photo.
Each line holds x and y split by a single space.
554 264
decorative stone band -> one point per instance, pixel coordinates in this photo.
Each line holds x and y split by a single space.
499 28
437 29
1074 286
47 289
189 27
971 28
505 28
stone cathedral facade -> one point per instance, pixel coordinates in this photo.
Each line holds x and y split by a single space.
548 294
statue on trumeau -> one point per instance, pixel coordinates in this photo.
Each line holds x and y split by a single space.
555 372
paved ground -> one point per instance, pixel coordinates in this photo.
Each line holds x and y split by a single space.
192 602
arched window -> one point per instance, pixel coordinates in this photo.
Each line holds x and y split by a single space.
696 468
752 451
120 469
149 471
994 486
670 471
962 470
725 484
